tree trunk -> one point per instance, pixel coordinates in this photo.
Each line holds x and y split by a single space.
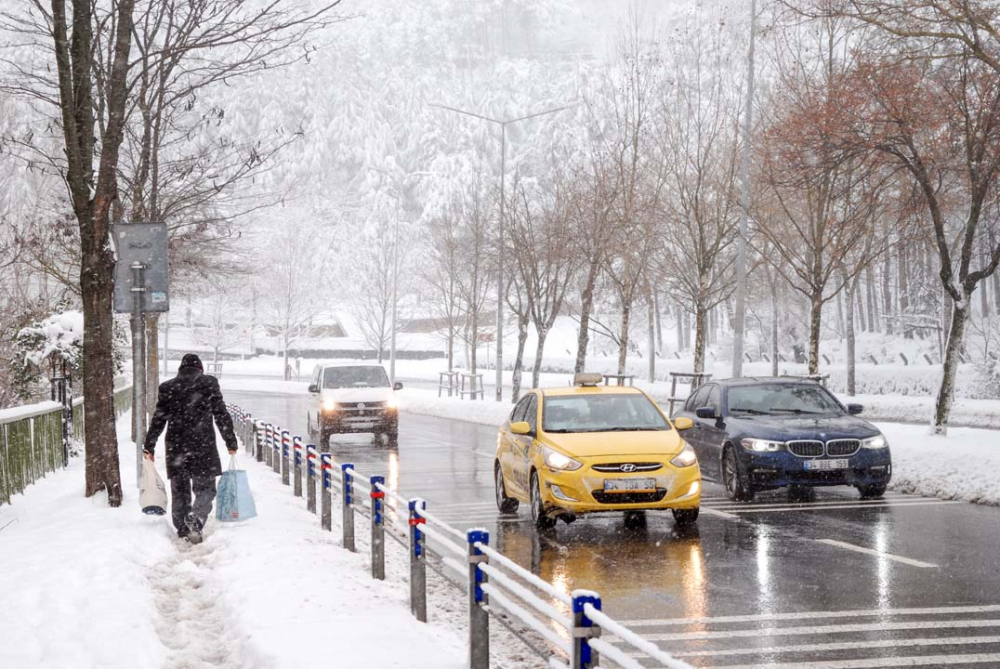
586 304
840 315
904 289
984 286
946 392
543 334
623 339
815 327
700 327
851 288
96 286
474 343
651 326
450 343
284 368
659 322
873 325
774 327
522 337
679 318
887 293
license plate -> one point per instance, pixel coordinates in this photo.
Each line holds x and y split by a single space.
362 426
629 485
822 465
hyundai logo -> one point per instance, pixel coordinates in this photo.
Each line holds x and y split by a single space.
628 468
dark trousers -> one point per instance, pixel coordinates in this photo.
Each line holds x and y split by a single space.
181 488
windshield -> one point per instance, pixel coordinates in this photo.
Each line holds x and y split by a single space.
601 413
355 377
781 398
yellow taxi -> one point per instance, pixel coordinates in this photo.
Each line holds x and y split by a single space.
591 448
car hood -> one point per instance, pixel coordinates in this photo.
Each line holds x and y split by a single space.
786 428
356 394
591 444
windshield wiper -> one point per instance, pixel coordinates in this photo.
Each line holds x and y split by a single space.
633 429
752 412
800 411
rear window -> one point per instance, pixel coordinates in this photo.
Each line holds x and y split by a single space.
355 377
601 413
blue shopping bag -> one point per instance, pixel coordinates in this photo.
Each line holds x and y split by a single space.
235 503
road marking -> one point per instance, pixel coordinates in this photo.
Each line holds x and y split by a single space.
813 615
822 629
850 645
870 551
847 506
877 662
807 505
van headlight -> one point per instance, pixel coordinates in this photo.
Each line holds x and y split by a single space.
876 442
762 445
329 405
685 458
392 403
556 460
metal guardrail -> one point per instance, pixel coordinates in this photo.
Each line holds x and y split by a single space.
564 630
32 444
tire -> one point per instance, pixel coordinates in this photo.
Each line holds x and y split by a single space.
392 439
873 491
685 517
635 519
738 488
504 504
538 516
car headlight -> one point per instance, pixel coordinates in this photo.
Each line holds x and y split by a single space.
878 441
685 458
762 445
556 460
392 403
329 405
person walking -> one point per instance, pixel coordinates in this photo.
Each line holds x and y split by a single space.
189 403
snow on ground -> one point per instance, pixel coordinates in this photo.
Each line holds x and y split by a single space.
88 586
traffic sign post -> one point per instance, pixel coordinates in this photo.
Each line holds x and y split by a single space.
141 286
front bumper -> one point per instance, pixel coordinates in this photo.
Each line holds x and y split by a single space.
370 420
582 491
776 470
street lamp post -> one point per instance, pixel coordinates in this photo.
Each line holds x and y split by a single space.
503 123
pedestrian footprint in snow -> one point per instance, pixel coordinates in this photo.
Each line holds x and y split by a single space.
189 403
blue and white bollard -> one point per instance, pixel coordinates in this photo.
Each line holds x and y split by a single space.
584 629
347 524
479 619
297 447
378 527
418 565
326 513
311 478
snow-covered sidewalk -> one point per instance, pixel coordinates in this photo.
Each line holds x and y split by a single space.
88 586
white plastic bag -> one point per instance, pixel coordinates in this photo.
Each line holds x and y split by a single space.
152 491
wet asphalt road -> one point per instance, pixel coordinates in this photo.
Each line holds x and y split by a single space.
832 583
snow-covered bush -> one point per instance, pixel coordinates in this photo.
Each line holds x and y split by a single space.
58 338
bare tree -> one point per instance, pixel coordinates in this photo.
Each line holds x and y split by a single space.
374 268
441 272
222 325
475 241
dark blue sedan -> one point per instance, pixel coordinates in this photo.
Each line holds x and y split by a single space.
761 434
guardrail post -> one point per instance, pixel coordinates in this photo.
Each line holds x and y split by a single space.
267 444
348 499
326 512
258 434
584 629
311 478
275 450
418 566
479 619
285 443
378 528
297 443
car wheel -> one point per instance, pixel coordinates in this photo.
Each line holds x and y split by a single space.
684 517
504 503
738 488
873 491
542 521
635 519
392 439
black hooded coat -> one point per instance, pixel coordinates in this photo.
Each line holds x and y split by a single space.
189 403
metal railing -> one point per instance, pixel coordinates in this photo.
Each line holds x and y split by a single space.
563 629
32 441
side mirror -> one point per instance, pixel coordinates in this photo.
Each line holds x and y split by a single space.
683 423
706 413
855 409
313 388
398 385
520 427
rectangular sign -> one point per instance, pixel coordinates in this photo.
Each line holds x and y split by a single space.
145 243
